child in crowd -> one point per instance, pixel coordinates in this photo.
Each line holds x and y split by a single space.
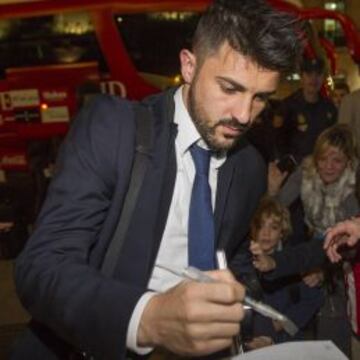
270 227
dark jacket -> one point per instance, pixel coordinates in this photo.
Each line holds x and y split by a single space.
57 274
303 122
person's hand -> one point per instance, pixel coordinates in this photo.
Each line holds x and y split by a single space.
313 278
343 233
261 261
6 226
259 342
192 318
275 178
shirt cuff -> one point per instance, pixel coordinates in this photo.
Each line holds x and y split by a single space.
131 337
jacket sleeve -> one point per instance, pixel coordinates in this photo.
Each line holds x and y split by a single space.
290 191
53 277
311 299
298 259
241 260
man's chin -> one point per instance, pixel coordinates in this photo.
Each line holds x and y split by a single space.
223 143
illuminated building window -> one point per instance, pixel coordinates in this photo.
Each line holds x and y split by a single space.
332 28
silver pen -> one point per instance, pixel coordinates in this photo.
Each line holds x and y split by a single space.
194 274
258 306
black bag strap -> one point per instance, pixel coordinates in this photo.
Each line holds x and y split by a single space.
143 151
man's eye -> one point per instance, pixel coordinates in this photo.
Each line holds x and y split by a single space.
262 98
228 89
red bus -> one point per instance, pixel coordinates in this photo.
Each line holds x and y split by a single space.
54 52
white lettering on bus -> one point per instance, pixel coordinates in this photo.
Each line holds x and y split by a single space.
113 87
13 160
54 95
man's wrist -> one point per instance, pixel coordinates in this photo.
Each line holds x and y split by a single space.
147 335
132 332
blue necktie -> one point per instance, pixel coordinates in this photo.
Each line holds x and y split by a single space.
201 220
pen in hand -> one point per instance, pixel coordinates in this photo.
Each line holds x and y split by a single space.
194 274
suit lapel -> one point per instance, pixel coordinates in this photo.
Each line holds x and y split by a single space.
225 177
150 214
168 183
165 110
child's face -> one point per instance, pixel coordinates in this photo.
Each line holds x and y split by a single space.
269 233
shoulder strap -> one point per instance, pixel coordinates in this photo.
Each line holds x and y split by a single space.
141 157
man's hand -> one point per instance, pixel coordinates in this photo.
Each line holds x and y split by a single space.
261 261
193 319
344 233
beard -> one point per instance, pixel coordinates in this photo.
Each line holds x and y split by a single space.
207 131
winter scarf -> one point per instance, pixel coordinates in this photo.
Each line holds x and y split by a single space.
322 203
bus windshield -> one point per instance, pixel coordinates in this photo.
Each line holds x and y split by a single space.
153 40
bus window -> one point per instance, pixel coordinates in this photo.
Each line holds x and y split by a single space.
48 40
153 40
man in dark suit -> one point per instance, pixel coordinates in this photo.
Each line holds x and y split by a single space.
306 112
240 49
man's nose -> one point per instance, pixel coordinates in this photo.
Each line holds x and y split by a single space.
242 110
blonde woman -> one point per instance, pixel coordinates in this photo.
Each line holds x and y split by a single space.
325 180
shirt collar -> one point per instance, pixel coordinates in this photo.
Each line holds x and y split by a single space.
187 132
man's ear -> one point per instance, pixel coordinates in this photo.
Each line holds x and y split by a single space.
188 65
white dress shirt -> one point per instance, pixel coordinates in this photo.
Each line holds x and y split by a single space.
173 251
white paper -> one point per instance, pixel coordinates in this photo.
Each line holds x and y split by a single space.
296 350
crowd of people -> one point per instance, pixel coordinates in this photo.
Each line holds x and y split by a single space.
325 183
273 183
320 188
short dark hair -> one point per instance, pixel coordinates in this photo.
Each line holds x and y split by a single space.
316 65
269 37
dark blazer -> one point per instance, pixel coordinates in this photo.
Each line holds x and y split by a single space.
56 274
